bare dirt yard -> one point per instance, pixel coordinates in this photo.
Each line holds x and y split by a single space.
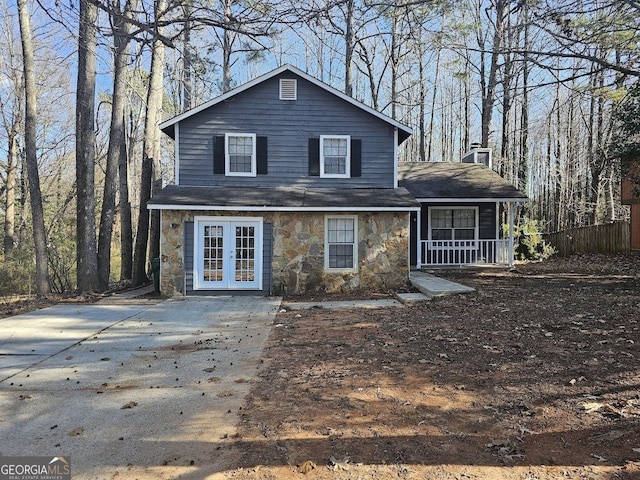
536 375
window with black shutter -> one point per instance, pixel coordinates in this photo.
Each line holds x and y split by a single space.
240 154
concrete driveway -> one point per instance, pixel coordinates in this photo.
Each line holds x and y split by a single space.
130 391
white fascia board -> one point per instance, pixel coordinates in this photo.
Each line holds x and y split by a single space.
247 208
176 154
273 73
471 200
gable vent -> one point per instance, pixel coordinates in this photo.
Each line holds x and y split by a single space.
288 89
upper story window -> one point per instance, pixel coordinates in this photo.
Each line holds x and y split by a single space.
335 156
240 158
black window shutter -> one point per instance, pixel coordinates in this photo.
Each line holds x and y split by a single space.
261 156
356 157
314 157
218 155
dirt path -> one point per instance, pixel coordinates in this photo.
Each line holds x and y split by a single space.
534 376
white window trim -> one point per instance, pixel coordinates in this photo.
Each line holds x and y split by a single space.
347 169
227 162
326 243
457 207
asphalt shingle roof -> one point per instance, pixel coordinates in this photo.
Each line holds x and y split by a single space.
281 197
453 180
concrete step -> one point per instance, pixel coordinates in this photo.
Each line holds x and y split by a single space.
433 286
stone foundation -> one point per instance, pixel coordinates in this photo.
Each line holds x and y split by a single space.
297 265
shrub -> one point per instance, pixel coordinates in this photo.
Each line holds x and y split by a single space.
529 242
17 273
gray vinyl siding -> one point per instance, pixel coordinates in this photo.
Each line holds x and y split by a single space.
267 256
487 221
288 125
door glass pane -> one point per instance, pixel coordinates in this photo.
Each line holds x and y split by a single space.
245 254
212 254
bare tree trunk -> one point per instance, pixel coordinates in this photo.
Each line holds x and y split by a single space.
488 95
227 49
349 46
116 134
37 213
150 158
422 153
506 157
87 259
371 76
597 157
139 273
10 189
466 140
523 164
433 106
187 86
126 227
394 66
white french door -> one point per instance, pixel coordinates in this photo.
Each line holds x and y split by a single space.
227 253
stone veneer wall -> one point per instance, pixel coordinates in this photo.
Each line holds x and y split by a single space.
298 251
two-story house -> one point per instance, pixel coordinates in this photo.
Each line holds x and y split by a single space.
286 185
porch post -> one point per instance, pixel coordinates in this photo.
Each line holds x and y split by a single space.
419 239
511 227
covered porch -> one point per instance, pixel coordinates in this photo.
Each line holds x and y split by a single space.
461 242
463 207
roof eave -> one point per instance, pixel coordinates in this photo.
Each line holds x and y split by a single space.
275 208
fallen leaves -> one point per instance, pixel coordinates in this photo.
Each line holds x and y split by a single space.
506 449
618 409
340 464
76 431
306 467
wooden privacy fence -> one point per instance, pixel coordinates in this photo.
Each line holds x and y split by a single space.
611 238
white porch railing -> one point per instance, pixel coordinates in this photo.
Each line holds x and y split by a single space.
464 252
